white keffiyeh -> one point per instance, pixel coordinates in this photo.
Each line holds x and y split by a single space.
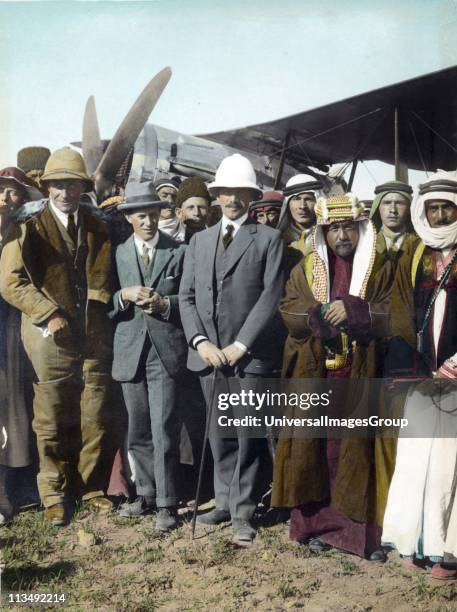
445 236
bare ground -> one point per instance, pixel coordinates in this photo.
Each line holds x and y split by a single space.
109 563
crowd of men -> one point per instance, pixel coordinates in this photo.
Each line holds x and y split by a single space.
177 284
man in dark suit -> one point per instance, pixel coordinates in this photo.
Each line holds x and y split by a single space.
149 353
229 294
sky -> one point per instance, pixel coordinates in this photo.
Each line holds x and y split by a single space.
234 62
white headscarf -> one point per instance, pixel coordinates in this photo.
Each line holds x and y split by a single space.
174 228
445 236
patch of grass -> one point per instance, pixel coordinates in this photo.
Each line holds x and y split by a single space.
448 592
348 567
269 537
422 590
153 555
286 589
222 552
32 539
32 577
300 551
239 588
162 582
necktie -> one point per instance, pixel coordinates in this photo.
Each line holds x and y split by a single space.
71 228
228 236
145 255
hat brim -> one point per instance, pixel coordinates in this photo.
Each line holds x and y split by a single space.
214 187
33 193
67 175
129 207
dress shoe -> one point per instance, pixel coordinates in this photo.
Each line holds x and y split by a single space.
318 546
442 571
215 517
100 504
139 507
378 555
243 531
56 515
166 519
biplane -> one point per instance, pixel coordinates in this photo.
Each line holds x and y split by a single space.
411 125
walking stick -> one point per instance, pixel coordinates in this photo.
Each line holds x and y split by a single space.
205 444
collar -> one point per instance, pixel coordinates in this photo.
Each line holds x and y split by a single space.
63 217
237 223
151 244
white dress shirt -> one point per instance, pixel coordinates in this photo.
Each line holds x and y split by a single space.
63 217
150 245
237 223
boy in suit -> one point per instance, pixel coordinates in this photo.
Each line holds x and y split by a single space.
149 353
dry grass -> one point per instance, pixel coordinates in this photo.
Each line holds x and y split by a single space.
128 566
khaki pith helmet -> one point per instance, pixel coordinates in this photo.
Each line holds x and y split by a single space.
66 164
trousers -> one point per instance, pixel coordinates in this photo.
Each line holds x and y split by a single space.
239 461
72 409
154 428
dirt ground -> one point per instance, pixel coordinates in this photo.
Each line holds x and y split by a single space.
109 563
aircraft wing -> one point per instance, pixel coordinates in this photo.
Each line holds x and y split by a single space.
362 127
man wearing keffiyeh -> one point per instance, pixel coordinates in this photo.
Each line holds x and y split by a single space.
335 311
424 345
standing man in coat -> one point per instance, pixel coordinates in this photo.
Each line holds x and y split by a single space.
56 269
150 353
423 345
229 294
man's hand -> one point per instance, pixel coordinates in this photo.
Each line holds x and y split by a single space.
137 295
336 313
57 325
155 304
211 355
233 354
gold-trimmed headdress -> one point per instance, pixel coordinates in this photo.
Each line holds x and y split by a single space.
339 208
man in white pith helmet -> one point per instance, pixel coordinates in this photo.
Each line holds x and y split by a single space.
229 294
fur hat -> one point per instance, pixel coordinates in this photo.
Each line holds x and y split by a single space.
193 187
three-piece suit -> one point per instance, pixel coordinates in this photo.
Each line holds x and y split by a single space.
149 360
227 295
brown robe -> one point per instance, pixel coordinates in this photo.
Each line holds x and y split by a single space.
300 473
385 447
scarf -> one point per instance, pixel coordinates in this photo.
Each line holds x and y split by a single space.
174 228
443 237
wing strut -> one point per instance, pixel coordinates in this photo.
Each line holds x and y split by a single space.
352 175
282 159
401 169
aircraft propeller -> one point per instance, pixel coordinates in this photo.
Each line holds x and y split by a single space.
125 136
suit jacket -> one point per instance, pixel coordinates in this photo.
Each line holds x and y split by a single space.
34 275
252 288
133 324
